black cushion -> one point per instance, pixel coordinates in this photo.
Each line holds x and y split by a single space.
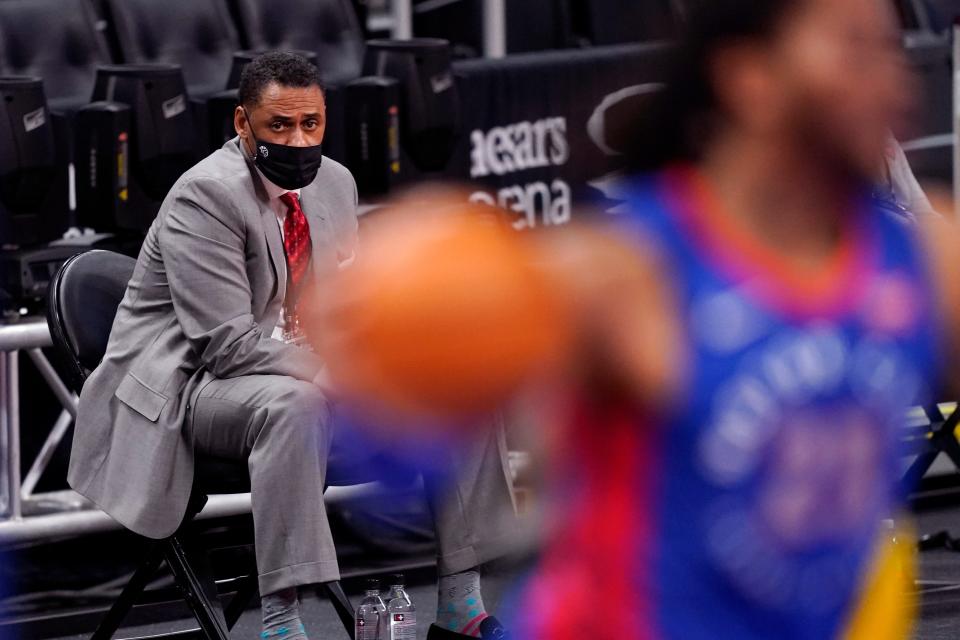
198 35
57 40
329 27
218 475
84 297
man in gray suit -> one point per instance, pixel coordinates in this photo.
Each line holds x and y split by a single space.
205 358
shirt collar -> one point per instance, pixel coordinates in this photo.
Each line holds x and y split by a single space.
274 191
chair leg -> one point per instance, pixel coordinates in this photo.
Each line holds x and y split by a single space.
341 604
193 576
131 591
241 599
949 445
919 468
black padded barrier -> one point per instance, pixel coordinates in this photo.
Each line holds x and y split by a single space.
524 140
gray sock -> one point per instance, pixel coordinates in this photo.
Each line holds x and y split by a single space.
281 616
460 605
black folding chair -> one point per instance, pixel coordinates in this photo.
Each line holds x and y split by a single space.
928 441
83 299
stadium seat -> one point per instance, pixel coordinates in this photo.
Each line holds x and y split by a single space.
532 25
56 40
198 35
329 27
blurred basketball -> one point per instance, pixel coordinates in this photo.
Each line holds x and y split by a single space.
444 312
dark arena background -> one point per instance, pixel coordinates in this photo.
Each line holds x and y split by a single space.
524 108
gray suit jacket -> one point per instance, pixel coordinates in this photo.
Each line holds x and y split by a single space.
204 299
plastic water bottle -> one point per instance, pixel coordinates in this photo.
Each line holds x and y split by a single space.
401 613
370 619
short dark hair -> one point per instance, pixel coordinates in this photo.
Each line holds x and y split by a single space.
283 67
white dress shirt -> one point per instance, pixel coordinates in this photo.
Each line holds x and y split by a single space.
280 209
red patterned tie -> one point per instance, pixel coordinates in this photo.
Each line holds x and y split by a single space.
296 244
296 240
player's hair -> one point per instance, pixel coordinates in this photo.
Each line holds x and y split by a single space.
675 125
283 67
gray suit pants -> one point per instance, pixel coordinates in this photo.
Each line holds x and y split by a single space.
282 427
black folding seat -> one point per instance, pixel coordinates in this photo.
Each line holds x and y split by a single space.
329 27
56 40
198 35
83 299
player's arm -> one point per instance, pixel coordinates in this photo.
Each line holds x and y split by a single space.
629 332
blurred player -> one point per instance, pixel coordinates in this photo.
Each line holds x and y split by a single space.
738 458
749 337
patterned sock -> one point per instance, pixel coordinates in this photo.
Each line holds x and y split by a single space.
281 616
460 605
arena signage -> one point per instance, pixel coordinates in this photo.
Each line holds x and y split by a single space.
526 145
515 149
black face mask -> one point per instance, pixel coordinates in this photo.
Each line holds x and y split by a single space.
285 166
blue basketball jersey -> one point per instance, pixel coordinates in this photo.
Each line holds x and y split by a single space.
774 476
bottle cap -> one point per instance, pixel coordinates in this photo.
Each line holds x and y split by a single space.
373 584
396 580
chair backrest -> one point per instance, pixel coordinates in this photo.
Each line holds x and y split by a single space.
198 35
329 27
84 296
58 41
